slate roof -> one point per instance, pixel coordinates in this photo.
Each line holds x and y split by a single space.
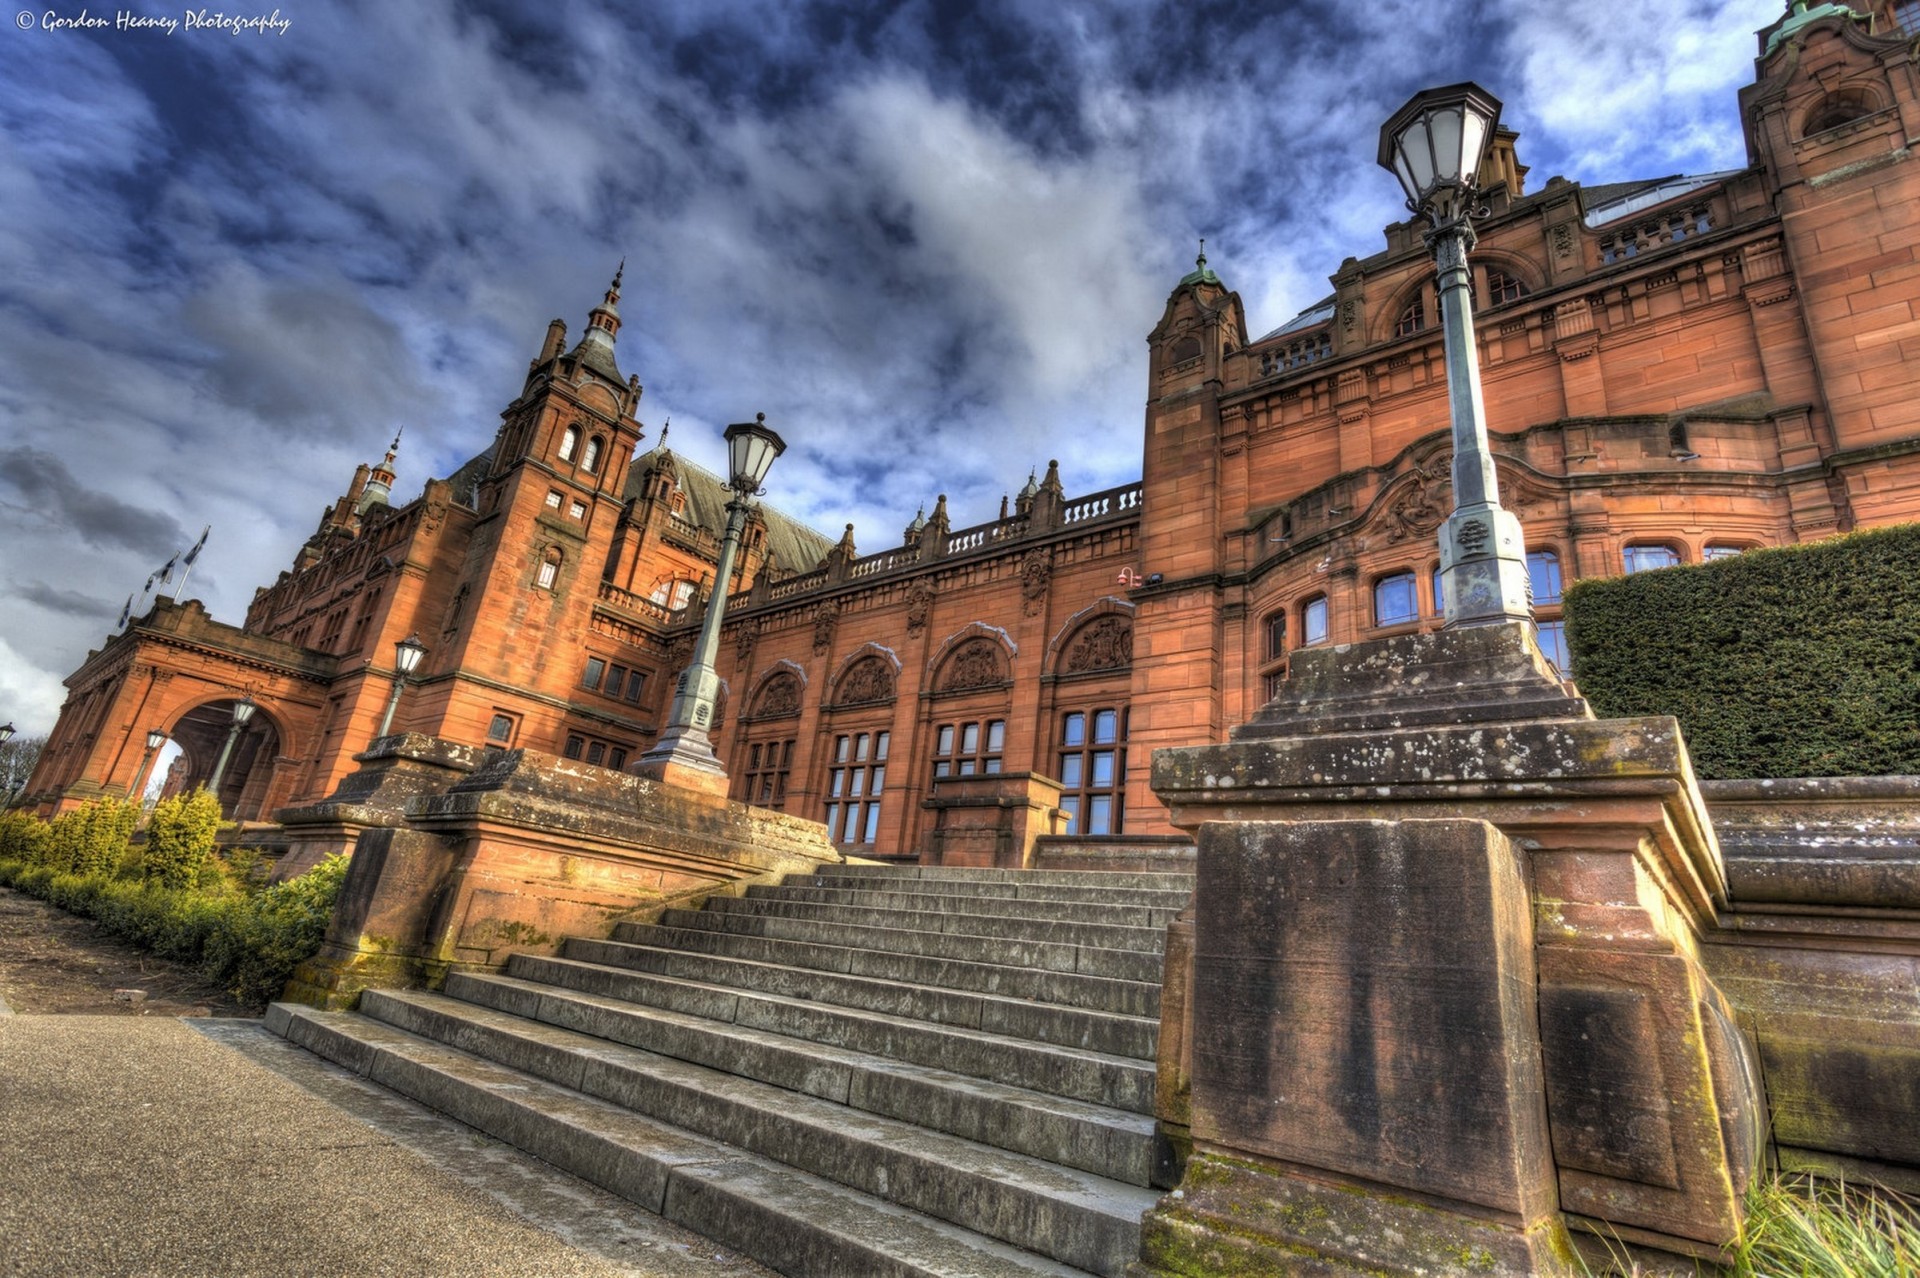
795 546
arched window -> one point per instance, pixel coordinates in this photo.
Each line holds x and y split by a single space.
1313 620
569 443
1648 558
1503 288
1396 600
1276 634
590 460
1721 550
549 571
1414 318
1185 349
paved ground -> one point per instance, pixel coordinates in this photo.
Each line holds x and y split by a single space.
136 1144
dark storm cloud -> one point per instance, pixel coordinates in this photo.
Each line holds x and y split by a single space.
69 603
86 512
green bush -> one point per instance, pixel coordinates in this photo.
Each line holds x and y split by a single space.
23 838
92 838
1797 662
180 837
248 943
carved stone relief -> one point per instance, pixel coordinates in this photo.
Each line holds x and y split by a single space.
780 699
1102 644
826 618
919 607
977 663
870 679
1036 570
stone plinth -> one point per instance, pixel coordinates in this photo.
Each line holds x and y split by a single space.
990 819
530 849
393 771
1652 1092
1363 996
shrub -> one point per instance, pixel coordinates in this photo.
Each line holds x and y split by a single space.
180 837
1796 662
23 838
253 950
91 838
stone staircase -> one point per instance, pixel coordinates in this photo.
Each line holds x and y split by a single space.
866 1072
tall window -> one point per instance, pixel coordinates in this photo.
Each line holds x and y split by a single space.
768 764
965 749
549 570
1276 635
1647 558
569 445
1395 600
590 460
1552 638
1543 576
1439 593
1093 767
1313 620
855 780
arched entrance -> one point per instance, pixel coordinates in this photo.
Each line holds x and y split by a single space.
202 734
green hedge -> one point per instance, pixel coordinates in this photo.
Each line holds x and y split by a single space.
1797 662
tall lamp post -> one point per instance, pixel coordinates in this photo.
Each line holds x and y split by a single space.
242 711
684 754
406 659
155 739
1434 145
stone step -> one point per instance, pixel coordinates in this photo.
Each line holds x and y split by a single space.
832 949
1107 1032
1108 1142
1068 1215
800 1224
1082 892
1166 881
998 906
1145 942
1097 1077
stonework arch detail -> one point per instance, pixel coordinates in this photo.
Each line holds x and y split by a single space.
869 675
1112 615
980 644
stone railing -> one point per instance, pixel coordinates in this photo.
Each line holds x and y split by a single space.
627 600
1113 501
885 561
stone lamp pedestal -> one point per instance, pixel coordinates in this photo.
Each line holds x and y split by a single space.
1444 993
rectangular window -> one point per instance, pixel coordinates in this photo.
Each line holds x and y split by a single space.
553 500
1543 577
595 669
854 782
1313 621
1395 600
596 752
1092 766
616 680
576 746
617 758
500 731
635 682
1276 635
1721 552
969 749
578 510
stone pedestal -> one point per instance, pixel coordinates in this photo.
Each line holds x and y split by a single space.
530 849
992 819
1651 1092
393 771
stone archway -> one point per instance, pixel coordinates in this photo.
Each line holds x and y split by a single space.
202 733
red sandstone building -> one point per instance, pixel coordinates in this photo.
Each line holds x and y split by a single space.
1675 369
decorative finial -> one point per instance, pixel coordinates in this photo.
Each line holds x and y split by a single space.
665 426
621 270
1201 261
761 417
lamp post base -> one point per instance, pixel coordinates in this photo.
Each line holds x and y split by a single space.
683 757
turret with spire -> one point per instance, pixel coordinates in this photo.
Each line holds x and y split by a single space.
595 350
378 489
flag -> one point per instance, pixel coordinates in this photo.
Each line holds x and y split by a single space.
195 552
126 611
166 570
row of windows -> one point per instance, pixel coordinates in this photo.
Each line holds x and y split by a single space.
855 783
613 680
1500 288
576 509
964 749
599 753
769 763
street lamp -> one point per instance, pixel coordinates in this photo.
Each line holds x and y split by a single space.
1434 145
684 753
6 735
242 711
406 659
155 739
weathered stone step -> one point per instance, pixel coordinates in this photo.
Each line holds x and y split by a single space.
1107 1142
831 950
1072 1216
1147 942
1110 1032
996 906
803 1225
1098 1077
1080 893
1165 881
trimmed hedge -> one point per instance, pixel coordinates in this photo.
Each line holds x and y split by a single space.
1798 662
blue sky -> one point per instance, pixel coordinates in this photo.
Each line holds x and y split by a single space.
926 239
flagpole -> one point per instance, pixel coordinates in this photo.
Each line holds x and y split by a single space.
186 564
